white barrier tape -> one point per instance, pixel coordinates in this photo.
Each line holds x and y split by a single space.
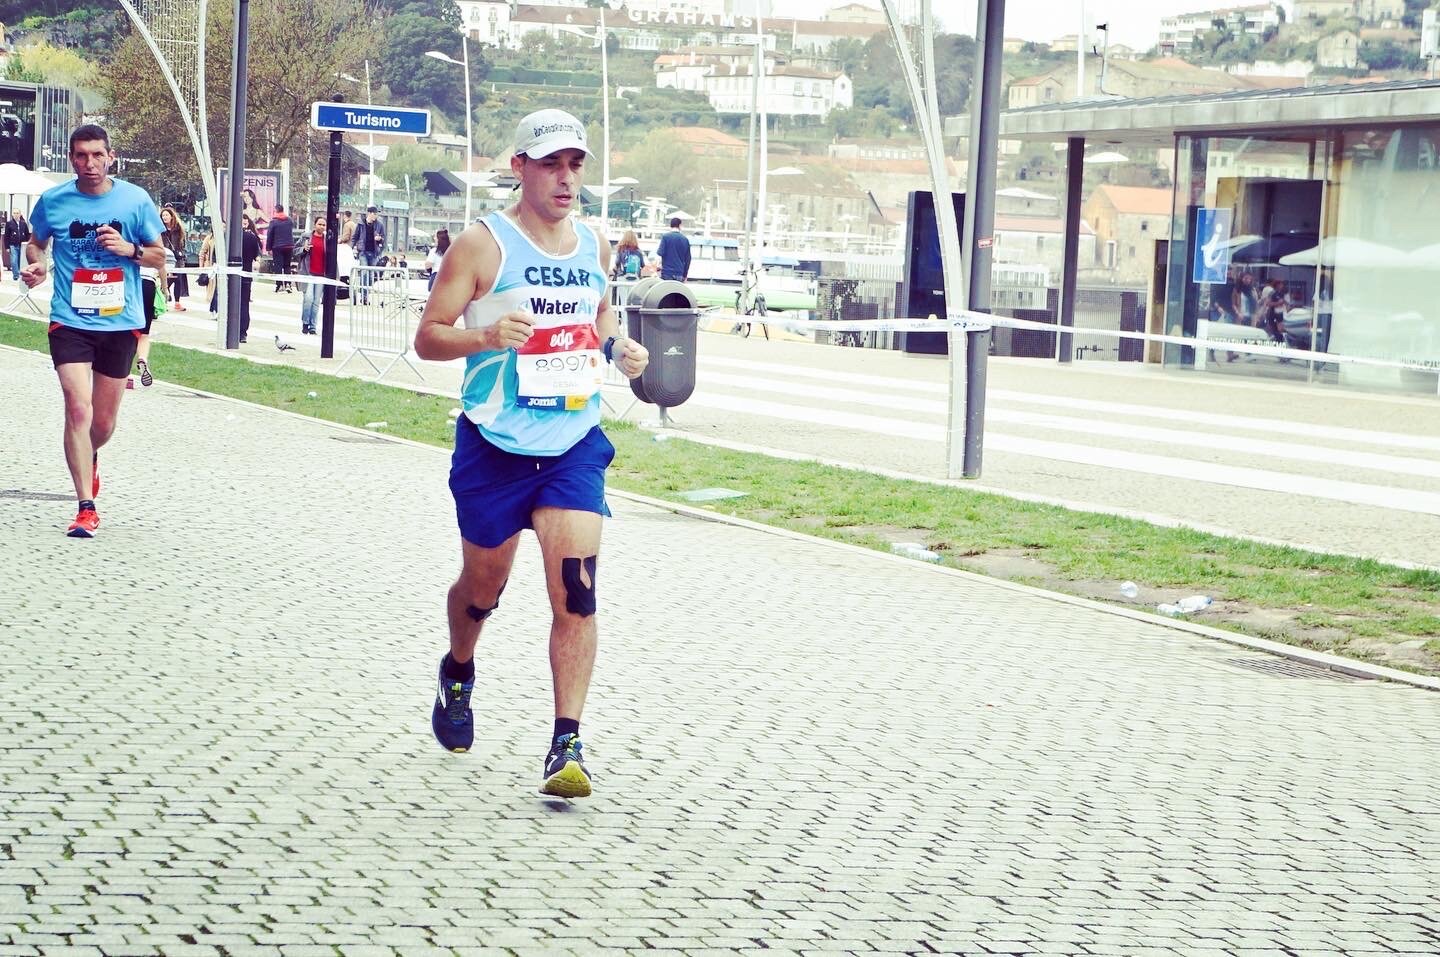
979 321
267 276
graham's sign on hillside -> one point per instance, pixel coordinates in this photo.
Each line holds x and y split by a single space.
689 18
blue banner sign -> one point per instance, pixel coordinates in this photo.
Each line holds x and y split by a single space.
359 118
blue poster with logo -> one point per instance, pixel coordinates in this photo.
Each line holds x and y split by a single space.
1212 246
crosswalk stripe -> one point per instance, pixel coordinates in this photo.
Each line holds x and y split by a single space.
1381 496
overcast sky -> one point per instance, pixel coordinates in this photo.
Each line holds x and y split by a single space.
1135 23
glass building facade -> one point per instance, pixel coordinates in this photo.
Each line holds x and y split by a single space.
1325 241
35 125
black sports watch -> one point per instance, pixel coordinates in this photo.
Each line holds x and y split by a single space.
139 251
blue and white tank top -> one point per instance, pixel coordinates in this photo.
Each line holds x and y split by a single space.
544 397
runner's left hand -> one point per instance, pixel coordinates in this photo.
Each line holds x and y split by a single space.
112 241
631 357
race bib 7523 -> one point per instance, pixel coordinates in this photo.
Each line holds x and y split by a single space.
98 292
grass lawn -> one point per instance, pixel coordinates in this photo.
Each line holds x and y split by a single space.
1362 609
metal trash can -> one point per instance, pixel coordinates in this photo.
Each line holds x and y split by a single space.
660 314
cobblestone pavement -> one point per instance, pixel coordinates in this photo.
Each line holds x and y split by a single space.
215 740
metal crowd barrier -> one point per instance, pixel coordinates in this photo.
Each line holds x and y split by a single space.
383 313
619 291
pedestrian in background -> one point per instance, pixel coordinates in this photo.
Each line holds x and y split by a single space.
249 252
17 234
312 263
152 281
629 260
369 243
347 228
173 239
207 261
280 240
674 253
436 254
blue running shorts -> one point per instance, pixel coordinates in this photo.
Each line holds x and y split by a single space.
497 491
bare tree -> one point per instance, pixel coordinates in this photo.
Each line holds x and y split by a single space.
296 52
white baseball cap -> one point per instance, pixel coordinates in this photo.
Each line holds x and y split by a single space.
549 131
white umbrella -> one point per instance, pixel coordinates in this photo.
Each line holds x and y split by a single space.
1426 257
681 214
1348 251
17 180
1110 157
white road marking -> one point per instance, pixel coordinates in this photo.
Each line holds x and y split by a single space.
1394 464
1190 417
1380 496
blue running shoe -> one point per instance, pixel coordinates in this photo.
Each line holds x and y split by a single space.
451 719
565 774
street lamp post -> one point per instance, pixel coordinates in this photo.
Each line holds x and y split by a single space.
765 174
369 101
469 144
599 37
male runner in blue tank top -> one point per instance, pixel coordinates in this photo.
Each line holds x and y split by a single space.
104 230
529 453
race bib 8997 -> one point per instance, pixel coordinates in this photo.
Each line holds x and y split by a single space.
560 368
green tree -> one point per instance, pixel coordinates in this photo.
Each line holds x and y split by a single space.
435 9
954 66
420 79
412 159
665 167
296 51
15 69
848 54
1389 55
43 63
860 123
880 83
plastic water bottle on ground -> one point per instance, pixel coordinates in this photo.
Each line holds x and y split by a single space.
914 550
1129 589
1185 606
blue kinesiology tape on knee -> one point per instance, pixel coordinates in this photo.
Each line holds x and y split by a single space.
579 597
480 614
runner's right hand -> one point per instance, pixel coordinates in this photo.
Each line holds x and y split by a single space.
32 274
511 331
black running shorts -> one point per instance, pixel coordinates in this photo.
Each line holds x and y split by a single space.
147 295
108 353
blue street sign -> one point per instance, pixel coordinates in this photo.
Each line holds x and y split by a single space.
359 118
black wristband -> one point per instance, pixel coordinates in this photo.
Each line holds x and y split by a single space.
609 349
135 256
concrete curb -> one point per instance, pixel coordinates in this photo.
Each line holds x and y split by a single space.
1315 659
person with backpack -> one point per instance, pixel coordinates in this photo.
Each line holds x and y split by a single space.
629 260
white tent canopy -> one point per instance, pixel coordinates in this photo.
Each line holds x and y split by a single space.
16 180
